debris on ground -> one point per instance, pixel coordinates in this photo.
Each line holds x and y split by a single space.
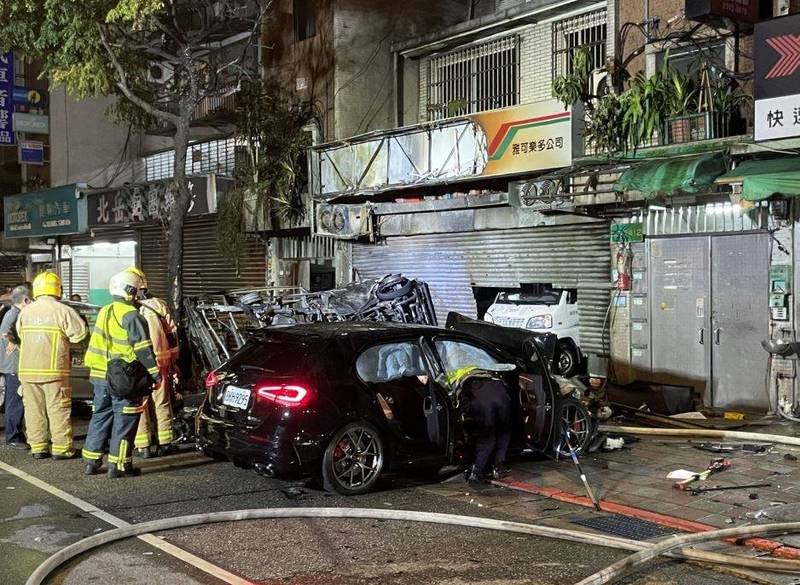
715 466
731 447
790 457
293 493
612 443
694 415
700 490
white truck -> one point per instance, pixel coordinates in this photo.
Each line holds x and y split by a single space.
550 311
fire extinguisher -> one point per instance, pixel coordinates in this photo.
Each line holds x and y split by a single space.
624 261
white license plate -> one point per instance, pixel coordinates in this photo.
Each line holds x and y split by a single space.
236 397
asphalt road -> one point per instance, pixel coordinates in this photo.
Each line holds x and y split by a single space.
34 524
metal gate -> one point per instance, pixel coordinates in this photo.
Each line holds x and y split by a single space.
205 268
568 256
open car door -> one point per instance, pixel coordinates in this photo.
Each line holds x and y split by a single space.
534 353
440 411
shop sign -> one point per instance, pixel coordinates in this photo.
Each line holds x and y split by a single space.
31 152
6 102
32 123
777 78
151 202
626 233
527 138
25 96
52 212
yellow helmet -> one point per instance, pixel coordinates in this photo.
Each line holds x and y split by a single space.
47 284
125 285
139 273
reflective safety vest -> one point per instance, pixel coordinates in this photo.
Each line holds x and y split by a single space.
112 338
46 329
163 332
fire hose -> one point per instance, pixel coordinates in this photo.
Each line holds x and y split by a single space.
645 551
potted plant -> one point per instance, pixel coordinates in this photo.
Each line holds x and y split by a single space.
728 102
681 94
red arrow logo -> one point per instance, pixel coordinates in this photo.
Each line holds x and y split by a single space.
788 47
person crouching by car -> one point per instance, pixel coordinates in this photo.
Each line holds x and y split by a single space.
9 365
123 370
487 406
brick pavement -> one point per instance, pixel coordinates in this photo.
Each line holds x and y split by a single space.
636 476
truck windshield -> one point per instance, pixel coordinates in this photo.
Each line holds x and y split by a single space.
550 297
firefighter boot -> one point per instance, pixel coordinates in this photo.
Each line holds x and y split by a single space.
114 472
473 476
92 467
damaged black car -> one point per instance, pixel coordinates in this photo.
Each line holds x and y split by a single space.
350 401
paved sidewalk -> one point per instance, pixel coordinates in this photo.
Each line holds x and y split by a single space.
636 476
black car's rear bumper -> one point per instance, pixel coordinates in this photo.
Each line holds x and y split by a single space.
278 451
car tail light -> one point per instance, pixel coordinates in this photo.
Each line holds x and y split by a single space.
212 379
285 394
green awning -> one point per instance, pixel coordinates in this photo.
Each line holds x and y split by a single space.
761 179
677 176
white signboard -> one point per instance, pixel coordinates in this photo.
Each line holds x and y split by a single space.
31 123
778 117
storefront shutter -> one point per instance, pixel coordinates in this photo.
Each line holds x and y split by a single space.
205 268
569 256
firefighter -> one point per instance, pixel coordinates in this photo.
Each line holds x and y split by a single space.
120 332
156 418
46 328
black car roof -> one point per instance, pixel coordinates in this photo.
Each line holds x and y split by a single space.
354 330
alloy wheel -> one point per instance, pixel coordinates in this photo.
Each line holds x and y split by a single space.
357 458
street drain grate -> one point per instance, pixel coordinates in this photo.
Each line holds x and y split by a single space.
624 526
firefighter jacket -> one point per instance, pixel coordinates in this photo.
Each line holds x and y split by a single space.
163 332
119 332
46 329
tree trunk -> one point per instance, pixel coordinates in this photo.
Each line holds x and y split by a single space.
177 218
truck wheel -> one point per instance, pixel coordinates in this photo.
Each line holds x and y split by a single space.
567 360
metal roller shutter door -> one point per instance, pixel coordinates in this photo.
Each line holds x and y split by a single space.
111 235
574 256
205 268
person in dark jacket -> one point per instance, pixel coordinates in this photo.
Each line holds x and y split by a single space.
9 366
488 409
120 332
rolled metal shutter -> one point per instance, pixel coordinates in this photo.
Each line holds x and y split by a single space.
12 269
111 235
205 268
570 256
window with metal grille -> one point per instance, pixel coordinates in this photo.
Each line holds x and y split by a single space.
571 34
474 79
215 156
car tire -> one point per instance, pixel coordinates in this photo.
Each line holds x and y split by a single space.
567 360
575 415
393 288
354 459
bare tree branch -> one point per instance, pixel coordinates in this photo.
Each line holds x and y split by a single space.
123 86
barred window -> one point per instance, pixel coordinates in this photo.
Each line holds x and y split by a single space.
214 156
474 79
571 34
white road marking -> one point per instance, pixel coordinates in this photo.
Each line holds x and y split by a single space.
152 540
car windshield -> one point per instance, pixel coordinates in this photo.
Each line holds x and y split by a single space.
550 297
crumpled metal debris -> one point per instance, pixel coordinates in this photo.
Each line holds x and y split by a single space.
219 325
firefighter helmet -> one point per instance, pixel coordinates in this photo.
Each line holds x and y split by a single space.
140 274
47 284
125 285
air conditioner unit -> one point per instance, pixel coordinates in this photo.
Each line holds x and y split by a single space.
160 73
599 83
346 222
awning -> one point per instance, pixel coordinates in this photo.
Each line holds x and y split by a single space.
691 174
763 178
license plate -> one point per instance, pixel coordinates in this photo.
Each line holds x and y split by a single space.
236 397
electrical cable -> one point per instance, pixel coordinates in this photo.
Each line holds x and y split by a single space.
41 573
